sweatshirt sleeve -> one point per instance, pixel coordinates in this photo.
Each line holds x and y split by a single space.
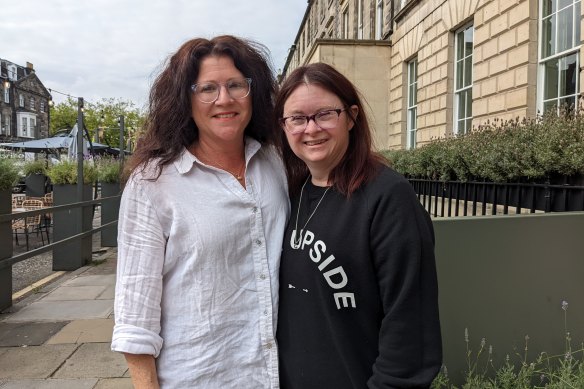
402 247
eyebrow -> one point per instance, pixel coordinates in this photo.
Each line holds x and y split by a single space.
301 113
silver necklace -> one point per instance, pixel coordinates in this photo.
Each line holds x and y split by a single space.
298 238
239 176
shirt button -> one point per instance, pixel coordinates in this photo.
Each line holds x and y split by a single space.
254 209
258 242
269 345
266 312
263 276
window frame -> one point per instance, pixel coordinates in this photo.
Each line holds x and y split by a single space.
360 18
379 19
345 23
465 89
21 100
24 120
412 109
559 57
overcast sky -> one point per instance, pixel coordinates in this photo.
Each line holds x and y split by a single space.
114 48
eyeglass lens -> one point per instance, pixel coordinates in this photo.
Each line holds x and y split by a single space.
326 120
208 92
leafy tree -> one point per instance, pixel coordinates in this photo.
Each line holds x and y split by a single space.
102 115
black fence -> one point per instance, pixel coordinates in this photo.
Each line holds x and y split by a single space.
454 198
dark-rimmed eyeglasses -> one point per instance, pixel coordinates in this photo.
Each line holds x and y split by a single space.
208 92
325 120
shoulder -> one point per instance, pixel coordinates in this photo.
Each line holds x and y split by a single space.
388 182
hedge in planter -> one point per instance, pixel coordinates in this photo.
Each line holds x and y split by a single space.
73 221
108 172
8 177
36 178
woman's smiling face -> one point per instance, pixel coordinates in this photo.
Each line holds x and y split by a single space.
321 150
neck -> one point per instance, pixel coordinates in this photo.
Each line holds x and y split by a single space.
319 178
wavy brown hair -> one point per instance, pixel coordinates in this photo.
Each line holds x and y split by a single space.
360 163
169 125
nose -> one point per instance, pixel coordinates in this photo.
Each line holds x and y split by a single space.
311 126
224 96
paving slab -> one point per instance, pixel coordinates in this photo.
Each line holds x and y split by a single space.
93 360
114 383
63 310
84 331
81 292
34 361
95 280
50 384
108 293
28 334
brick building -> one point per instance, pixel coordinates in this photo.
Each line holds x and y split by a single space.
24 103
434 68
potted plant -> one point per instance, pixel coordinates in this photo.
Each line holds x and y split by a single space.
108 175
8 177
35 172
72 221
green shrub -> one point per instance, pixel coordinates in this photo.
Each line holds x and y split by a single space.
36 166
65 172
8 173
501 151
108 170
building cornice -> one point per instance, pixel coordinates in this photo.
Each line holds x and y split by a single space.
405 9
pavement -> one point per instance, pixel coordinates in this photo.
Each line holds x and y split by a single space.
57 335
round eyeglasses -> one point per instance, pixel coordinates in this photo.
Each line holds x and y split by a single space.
208 92
325 120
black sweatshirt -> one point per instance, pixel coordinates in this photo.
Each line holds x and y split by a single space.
359 297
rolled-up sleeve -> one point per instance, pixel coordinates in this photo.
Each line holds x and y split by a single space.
141 249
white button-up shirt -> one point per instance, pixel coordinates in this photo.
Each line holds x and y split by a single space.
198 262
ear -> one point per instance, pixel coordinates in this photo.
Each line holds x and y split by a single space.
354 113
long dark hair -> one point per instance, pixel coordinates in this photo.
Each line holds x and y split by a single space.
360 163
169 124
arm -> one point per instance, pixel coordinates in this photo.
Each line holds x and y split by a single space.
142 370
137 306
402 247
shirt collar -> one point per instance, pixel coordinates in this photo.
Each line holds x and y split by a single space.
184 163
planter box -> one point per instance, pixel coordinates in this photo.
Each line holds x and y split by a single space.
5 250
72 255
35 185
109 213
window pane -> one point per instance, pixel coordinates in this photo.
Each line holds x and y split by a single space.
565 30
414 94
468 71
469 103
548 36
548 6
460 45
461 105
413 119
461 129
564 3
468 126
549 105
568 103
568 75
459 74
468 33
577 23
550 89
412 139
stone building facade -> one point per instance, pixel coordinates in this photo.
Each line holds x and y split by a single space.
24 103
436 68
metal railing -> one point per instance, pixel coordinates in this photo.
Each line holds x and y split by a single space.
454 198
6 250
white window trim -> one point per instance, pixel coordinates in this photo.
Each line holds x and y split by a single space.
360 19
565 53
6 95
19 121
411 130
457 92
7 125
379 19
20 100
345 23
